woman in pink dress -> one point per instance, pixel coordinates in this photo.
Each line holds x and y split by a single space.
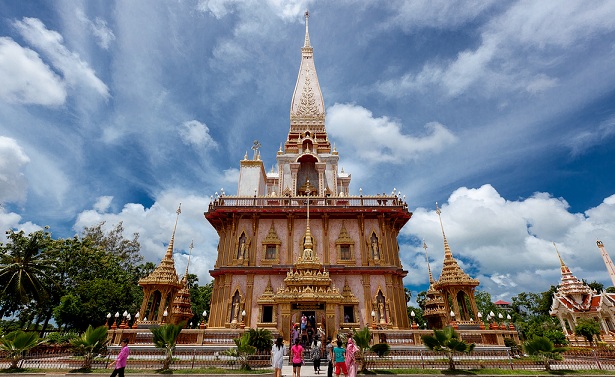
296 355
351 362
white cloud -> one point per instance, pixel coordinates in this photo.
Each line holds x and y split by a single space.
50 43
285 9
506 244
102 204
517 48
104 35
381 139
196 133
26 78
13 160
155 227
440 14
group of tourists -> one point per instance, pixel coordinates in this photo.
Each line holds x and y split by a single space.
338 357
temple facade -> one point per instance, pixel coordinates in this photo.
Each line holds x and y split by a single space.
295 248
576 300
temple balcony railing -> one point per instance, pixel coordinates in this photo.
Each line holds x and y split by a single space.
301 201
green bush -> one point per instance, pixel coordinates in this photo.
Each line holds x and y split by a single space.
381 349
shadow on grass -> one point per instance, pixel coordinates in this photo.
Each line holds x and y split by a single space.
457 372
13 370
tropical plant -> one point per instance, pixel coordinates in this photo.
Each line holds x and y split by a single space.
587 328
93 341
17 344
381 349
165 337
25 268
362 338
261 339
544 349
448 342
242 350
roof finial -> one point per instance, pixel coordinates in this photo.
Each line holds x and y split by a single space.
307 35
189 255
561 261
169 253
431 281
447 249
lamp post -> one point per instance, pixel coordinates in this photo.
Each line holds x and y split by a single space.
164 316
117 315
134 324
480 320
413 314
202 325
243 314
108 319
373 319
453 322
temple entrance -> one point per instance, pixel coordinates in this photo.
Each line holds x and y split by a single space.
307 316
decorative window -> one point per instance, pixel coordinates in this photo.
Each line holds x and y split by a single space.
271 247
345 247
267 314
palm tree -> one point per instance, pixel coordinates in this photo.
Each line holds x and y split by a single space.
92 341
544 349
243 350
262 339
447 341
17 344
24 268
362 338
166 337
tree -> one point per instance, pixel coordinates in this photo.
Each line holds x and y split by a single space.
361 340
17 344
165 337
448 342
93 341
596 286
587 328
421 298
544 349
242 350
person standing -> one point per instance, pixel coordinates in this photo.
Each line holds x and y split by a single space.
351 361
316 354
329 352
278 351
296 355
339 355
121 360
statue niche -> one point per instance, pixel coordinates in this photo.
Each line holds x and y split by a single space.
242 254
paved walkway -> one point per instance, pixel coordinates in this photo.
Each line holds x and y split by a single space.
306 370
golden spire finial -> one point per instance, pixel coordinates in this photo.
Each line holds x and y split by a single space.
447 249
169 253
431 281
561 261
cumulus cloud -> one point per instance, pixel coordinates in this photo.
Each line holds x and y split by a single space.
26 78
197 134
155 227
104 35
76 71
382 139
13 160
508 245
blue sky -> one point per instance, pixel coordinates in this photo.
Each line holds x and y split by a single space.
502 112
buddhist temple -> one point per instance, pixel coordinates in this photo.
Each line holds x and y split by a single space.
574 300
296 247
